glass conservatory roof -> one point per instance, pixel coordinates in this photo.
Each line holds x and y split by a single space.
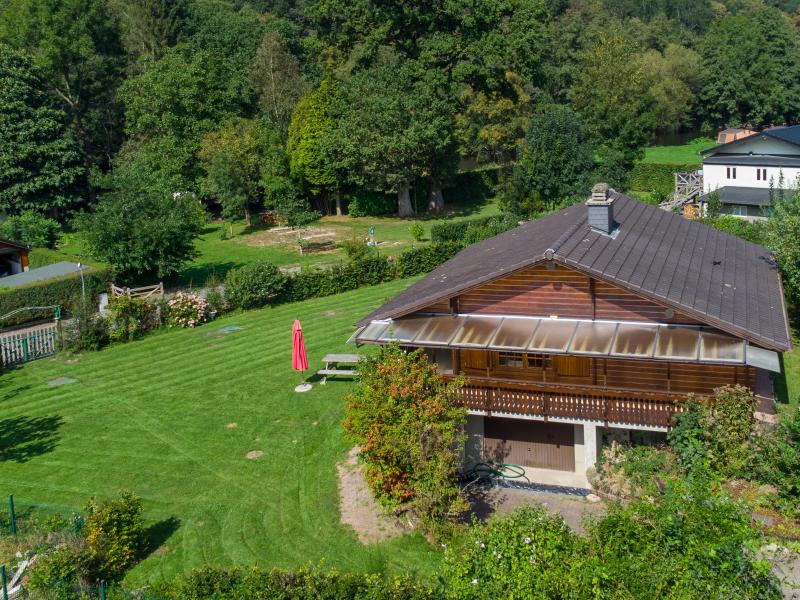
570 336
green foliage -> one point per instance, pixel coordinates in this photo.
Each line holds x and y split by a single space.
459 231
674 78
215 296
650 177
689 541
254 284
611 96
752 231
554 163
356 249
688 437
65 291
633 471
210 583
187 310
130 318
338 279
86 331
713 205
294 210
417 231
781 234
33 229
115 535
410 435
144 234
526 554
367 203
751 61
40 164
58 567
776 461
424 259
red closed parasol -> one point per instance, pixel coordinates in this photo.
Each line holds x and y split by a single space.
299 358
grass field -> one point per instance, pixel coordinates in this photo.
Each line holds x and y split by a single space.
156 416
683 154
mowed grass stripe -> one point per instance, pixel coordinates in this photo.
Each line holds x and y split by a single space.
151 416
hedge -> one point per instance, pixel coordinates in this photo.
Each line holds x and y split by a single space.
64 290
460 231
652 177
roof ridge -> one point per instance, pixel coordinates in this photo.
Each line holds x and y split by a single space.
568 233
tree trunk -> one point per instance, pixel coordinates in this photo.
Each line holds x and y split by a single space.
404 208
435 199
247 215
338 198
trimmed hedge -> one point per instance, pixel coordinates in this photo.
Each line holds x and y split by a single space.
652 177
64 290
463 231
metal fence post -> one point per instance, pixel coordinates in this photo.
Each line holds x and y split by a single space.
24 342
103 590
3 581
12 515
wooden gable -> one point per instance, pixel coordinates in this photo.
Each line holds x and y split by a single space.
558 291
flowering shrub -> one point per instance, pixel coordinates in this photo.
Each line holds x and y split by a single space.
187 310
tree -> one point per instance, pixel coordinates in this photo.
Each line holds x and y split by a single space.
149 27
231 157
395 126
782 235
611 95
142 233
313 121
751 62
40 164
76 45
554 162
277 80
410 434
674 78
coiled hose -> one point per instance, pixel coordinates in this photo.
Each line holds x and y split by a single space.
490 471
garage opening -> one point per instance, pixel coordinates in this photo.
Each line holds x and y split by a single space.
530 443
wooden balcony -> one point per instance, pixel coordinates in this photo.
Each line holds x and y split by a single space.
572 402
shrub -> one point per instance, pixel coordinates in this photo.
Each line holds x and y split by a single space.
215 296
64 291
473 187
87 331
417 231
33 229
776 461
730 427
366 203
525 554
752 231
130 318
410 435
457 231
187 310
211 583
340 278
633 471
115 535
688 437
356 249
60 566
254 284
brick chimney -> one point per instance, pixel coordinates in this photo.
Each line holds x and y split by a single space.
600 209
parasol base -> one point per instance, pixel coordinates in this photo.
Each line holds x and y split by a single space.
303 387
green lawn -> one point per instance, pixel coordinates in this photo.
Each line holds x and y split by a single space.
683 154
154 416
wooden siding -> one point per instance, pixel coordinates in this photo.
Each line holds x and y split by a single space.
440 307
563 292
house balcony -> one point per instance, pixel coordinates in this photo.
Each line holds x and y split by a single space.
572 403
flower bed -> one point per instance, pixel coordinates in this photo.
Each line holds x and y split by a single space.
187 310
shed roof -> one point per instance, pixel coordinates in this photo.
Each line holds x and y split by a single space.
47 272
756 160
718 278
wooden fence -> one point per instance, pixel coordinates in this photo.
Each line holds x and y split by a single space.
23 345
147 291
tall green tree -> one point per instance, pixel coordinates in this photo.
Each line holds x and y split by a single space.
40 163
674 78
149 27
752 69
396 126
553 164
313 122
612 97
76 45
782 237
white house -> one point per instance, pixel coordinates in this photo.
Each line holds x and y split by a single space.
747 171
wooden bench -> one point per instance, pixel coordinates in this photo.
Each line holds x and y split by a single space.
334 364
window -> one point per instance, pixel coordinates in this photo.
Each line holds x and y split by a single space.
731 172
723 137
510 359
538 361
573 366
761 174
738 210
443 357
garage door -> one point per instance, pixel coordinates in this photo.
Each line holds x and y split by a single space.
530 443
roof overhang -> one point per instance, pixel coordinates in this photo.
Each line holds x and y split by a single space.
576 337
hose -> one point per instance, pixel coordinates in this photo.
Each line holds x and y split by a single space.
496 471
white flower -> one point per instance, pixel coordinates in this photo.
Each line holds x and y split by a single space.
527 540
474 582
483 546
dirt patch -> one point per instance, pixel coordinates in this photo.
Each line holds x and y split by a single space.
281 236
331 313
253 454
232 425
359 509
487 501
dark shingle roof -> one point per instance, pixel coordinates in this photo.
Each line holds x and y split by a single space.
715 277
749 196
757 160
787 134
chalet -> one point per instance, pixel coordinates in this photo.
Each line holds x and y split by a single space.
591 324
747 170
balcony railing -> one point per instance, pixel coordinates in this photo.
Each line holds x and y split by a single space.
608 406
